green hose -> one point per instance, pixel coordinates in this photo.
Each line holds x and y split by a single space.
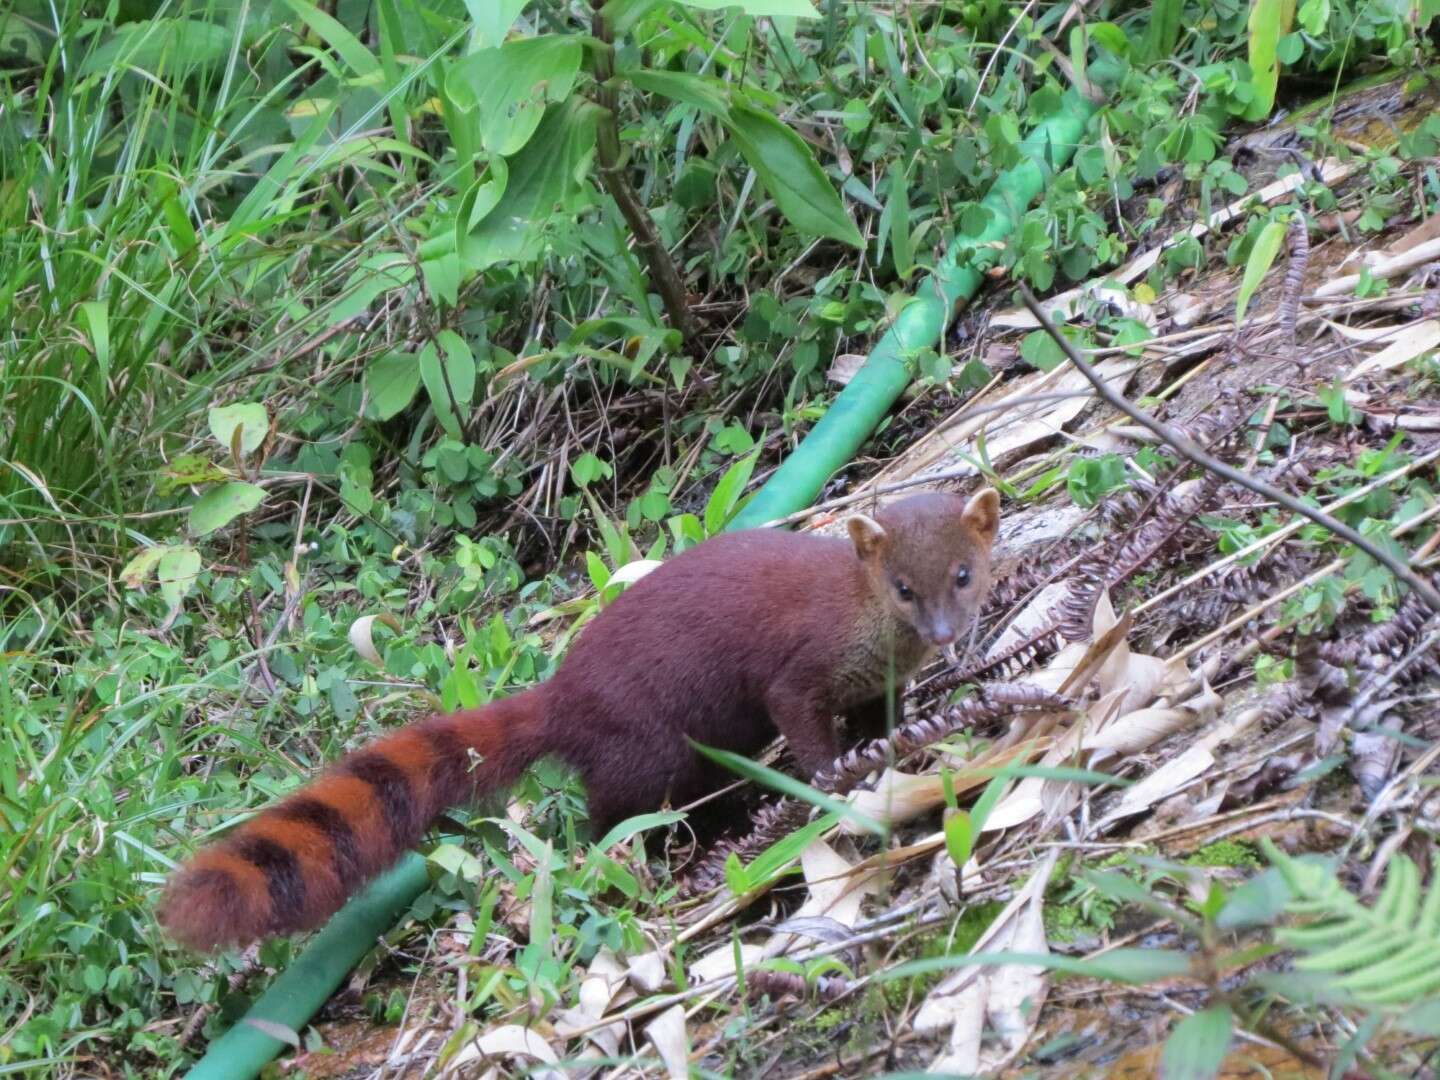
299 991
859 408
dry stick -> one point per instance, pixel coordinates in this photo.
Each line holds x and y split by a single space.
1274 539
1191 450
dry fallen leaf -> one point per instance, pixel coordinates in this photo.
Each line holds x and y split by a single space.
647 971
1193 761
510 1040
1408 343
845 367
602 989
836 892
362 635
667 1033
1009 997
720 961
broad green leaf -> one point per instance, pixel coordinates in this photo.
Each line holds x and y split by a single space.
440 265
621 15
959 837
1109 36
222 505
457 860
493 18
1257 902
179 566
1265 33
598 572
459 365
432 374
802 9
510 86
154 44
356 56
391 381
962 828
1313 16
706 94
248 417
1163 31
588 468
630 826
376 275
1040 350
720 507
479 199
543 185
1196 1048
1262 256
791 175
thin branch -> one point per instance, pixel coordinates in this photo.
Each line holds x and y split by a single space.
1190 450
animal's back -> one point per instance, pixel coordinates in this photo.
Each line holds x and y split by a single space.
687 651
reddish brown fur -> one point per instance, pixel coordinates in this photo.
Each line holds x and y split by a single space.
744 635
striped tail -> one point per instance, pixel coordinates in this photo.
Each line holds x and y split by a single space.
293 865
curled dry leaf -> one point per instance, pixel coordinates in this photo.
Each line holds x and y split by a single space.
845 367
647 971
1139 730
1060 670
509 1040
1181 770
1009 997
720 961
602 988
836 892
362 635
898 797
1405 345
1375 754
632 572
667 1033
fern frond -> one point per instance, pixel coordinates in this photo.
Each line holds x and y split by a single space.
1382 957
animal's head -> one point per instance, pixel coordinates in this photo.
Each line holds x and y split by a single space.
928 556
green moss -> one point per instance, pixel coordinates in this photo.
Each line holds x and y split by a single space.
957 940
1234 853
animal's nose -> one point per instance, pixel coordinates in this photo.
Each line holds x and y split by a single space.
942 634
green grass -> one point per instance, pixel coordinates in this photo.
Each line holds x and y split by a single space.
203 203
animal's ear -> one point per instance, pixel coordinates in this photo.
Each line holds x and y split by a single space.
867 536
982 513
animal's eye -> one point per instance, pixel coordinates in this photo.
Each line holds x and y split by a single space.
904 591
962 578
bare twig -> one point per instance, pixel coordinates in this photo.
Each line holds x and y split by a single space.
1190 450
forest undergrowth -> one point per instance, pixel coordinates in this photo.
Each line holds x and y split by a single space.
354 354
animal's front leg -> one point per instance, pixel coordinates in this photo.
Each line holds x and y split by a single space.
803 716
876 718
